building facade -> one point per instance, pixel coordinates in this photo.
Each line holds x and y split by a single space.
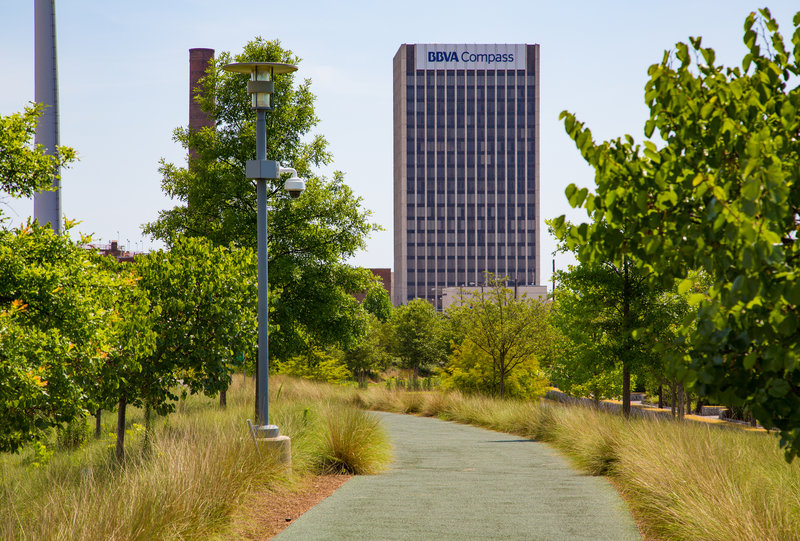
466 167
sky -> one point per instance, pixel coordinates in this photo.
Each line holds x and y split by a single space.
124 86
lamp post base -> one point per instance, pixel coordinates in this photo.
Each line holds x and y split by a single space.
266 431
280 448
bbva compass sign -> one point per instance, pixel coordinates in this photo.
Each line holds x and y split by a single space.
470 56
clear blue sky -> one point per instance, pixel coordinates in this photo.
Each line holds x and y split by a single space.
123 70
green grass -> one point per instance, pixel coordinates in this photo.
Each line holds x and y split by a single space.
683 481
198 473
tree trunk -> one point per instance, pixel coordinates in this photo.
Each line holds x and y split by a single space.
681 407
661 396
673 399
223 398
148 424
626 390
97 425
626 319
698 409
120 450
502 379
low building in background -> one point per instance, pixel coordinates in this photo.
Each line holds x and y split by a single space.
451 295
114 250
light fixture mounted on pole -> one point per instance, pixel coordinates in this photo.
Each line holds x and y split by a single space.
261 87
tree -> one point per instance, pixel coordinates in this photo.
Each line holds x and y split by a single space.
583 366
26 168
124 376
722 194
53 321
377 302
370 354
509 331
317 365
206 298
614 320
309 238
417 336
471 370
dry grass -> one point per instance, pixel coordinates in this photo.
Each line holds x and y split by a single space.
200 469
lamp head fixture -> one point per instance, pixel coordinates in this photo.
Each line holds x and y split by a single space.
260 86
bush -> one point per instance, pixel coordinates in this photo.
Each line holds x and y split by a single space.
316 365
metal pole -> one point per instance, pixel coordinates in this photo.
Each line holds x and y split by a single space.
262 367
47 205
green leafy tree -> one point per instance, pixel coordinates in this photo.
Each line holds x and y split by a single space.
124 376
370 353
583 366
470 369
25 168
377 302
53 320
417 338
722 193
615 321
206 298
509 332
309 238
317 365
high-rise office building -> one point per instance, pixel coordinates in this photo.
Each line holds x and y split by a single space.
466 166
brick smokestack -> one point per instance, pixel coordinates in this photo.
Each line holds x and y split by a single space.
199 61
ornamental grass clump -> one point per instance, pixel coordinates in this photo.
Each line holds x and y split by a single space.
351 441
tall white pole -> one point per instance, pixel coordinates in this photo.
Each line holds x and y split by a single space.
47 205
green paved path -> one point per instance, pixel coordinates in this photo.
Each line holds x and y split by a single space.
452 481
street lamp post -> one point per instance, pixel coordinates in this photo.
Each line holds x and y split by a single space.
260 87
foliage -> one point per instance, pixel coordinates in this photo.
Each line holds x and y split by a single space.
130 337
370 354
308 239
26 168
207 318
510 332
316 365
74 434
417 338
471 370
583 368
377 302
317 309
613 320
54 321
722 194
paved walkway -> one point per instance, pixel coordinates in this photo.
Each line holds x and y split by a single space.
452 481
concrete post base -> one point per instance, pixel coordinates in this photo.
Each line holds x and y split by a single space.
280 448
